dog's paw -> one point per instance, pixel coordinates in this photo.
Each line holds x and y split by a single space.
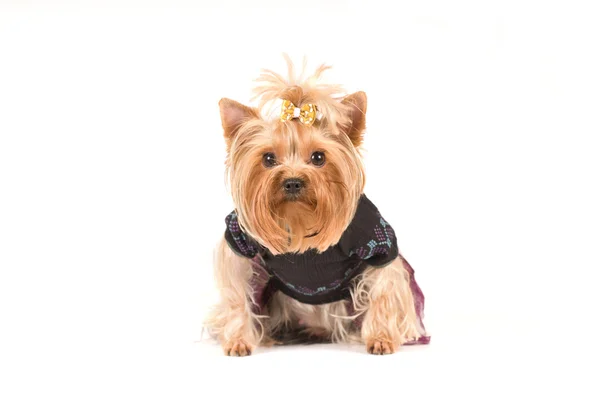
379 347
237 348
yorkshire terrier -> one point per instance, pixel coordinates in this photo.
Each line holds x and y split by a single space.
305 253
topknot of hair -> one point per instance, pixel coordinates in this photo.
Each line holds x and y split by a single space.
301 89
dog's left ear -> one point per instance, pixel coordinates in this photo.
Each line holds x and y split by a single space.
234 115
357 104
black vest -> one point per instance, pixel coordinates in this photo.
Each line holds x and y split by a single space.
318 278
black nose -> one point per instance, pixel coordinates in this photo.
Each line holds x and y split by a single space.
292 186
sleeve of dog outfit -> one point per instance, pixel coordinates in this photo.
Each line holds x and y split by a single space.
369 236
237 239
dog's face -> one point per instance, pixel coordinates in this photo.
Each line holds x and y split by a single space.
295 186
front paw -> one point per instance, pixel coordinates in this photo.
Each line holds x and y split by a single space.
380 347
237 348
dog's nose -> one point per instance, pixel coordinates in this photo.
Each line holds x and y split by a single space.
293 186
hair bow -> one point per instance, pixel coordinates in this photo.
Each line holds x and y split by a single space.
307 113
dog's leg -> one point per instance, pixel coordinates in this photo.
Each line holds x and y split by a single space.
232 321
390 319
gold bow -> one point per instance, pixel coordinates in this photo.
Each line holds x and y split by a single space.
307 113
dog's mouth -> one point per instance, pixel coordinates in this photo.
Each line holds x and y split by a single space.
298 210
300 198
292 197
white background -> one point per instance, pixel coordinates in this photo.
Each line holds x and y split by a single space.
482 144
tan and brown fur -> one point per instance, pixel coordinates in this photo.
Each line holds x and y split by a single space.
380 297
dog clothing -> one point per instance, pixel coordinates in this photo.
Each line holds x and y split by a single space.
319 278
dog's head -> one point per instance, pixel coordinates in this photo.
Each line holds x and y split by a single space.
295 179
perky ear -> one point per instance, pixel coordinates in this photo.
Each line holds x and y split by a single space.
233 115
357 104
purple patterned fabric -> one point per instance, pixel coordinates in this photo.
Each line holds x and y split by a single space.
236 237
260 285
419 299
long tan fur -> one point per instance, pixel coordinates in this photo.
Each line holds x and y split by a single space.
382 302
232 321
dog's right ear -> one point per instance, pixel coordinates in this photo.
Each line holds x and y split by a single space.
234 115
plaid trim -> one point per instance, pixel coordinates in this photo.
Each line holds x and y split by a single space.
380 246
244 246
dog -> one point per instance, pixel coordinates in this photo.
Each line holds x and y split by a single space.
306 256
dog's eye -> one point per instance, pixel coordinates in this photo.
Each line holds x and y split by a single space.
269 159
317 158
